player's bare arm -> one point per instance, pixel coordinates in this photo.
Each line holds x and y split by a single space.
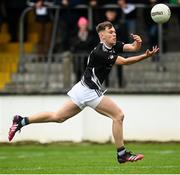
135 46
130 60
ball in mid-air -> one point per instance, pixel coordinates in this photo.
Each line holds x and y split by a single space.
160 13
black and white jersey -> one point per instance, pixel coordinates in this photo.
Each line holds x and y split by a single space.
99 65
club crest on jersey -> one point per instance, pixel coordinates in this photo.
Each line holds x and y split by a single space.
111 57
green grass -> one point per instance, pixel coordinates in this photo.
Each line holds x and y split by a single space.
86 158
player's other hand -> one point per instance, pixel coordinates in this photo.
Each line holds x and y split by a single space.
136 38
150 53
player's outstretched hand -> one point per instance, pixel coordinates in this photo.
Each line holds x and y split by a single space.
150 53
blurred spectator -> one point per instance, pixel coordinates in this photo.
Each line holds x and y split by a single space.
1 13
101 2
112 16
67 18
43 17
176 2
92 3
67 23
14 9
176 10
97 12
82 43
152 27
128 15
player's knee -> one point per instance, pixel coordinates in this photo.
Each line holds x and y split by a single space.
57 118
119 117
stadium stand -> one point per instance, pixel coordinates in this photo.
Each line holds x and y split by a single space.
139 78
147 77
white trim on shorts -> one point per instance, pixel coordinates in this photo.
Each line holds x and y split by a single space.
83 96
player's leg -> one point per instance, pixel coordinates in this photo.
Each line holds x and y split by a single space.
110 109
67 111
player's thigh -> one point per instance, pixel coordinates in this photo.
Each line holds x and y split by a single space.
68 110
109 108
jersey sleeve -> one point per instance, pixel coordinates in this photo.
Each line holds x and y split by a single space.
118 47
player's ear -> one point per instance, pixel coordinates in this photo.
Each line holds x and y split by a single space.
101 35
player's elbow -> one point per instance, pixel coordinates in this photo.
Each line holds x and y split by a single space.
121 61
136 48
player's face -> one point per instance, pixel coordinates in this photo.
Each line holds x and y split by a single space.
109 36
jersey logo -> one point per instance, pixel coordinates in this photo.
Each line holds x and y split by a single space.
111 57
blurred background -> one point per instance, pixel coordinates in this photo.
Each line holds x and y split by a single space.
43 52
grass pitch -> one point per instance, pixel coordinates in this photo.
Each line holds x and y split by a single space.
86 158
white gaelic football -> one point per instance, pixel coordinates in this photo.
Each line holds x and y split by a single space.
160 13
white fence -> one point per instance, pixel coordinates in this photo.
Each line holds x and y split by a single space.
147 117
